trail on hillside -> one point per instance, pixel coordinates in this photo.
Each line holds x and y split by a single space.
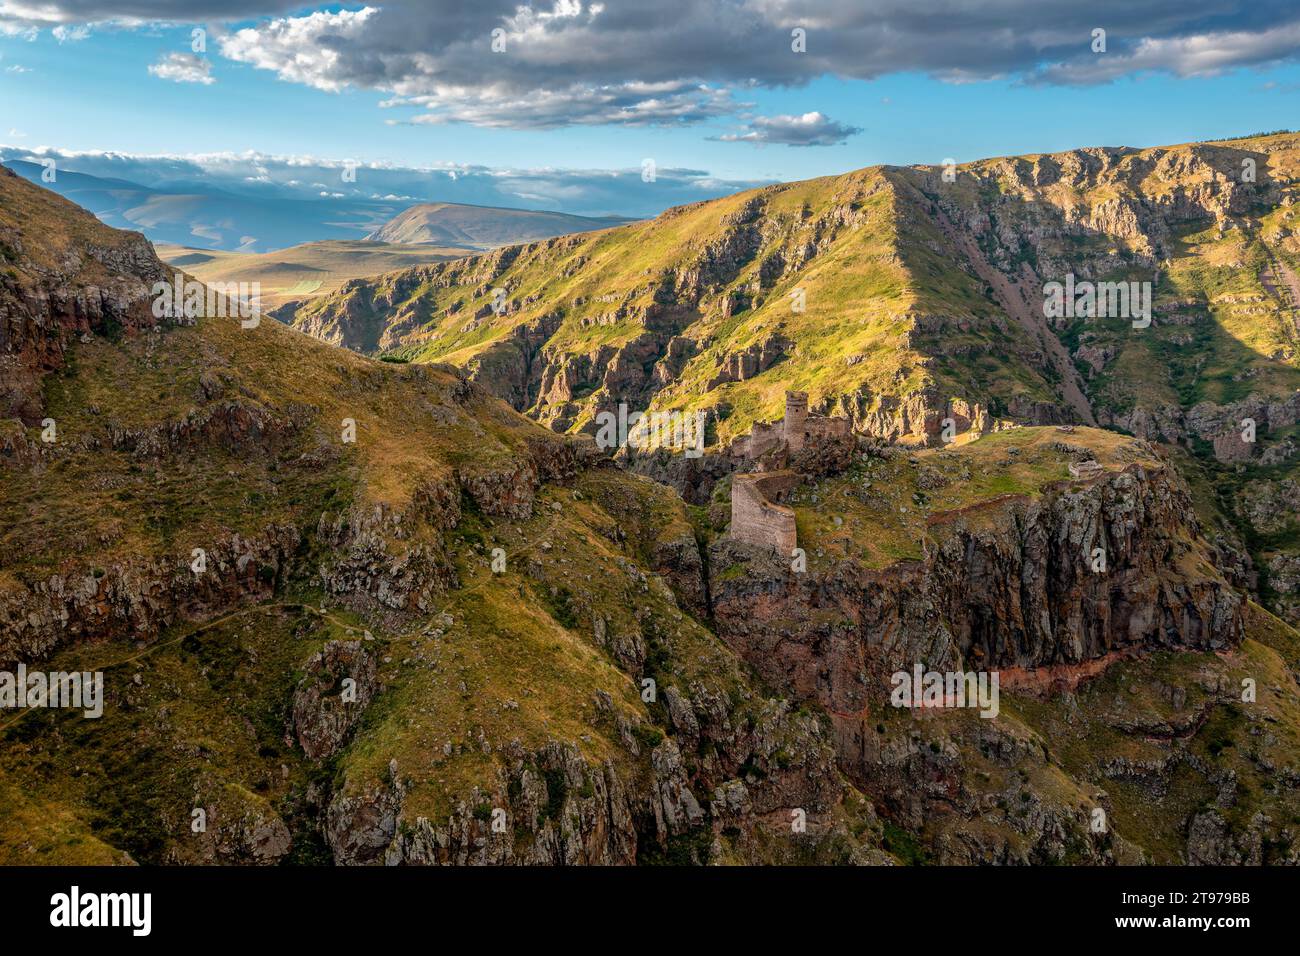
1011 297
1279 281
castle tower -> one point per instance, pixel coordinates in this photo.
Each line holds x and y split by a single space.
795 426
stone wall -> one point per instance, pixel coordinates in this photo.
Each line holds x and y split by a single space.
819 426
756 517
793 432
763 438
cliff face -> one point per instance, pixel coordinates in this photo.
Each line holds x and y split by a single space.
78 279
1094 650
1007 584
683 311
706 298
1214 366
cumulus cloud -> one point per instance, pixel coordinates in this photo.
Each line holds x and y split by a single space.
183 68
1199 55
40 14
565 62
685 60
810 129
309 49
66 33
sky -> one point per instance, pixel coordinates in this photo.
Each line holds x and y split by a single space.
576 97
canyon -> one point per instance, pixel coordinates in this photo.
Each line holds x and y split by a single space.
468 635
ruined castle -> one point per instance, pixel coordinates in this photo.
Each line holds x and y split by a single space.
793 433
757 515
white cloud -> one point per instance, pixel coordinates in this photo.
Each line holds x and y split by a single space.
301 49
810 129
570 62
184 68
1202 54
262 177
71 34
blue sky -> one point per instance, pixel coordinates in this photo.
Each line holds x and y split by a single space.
97 94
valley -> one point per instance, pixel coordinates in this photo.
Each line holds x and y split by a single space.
301 273
410 612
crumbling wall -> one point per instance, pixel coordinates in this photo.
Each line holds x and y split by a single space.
762 439
818 426
756 517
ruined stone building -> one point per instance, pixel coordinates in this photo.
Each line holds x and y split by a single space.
757 516
793 433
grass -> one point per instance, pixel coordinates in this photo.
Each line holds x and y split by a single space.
305 271
888 508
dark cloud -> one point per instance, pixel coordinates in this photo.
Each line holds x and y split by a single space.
810 129
672 61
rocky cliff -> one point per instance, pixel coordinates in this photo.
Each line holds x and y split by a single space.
902 298
363 612
1053 586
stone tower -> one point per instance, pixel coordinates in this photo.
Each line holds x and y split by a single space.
795 427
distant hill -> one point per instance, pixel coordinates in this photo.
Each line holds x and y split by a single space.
457 224
304 271
190 213
231 524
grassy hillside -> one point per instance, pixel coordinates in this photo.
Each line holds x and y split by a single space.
888 293
697 309
481 227
515 687
307 271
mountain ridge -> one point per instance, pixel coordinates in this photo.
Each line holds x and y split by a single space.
231 522
923 301
448 223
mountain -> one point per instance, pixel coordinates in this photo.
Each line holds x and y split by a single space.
182 213
900 299
211 446
306 271
189 213
482 227
364 612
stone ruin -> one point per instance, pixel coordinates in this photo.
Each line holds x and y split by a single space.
757 515
794 433
1087 468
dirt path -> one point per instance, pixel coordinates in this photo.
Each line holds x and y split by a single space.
1011 297
1288 291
